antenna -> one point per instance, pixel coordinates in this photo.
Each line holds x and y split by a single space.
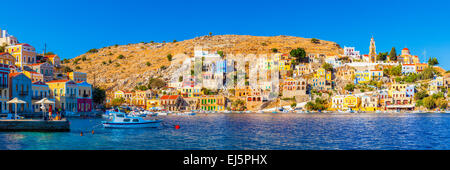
45 49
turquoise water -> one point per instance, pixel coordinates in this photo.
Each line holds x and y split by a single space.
250 131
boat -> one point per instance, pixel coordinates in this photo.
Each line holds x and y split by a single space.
121 120
347 111
226 111
185 114
161 113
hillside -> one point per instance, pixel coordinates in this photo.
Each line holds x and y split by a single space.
143 61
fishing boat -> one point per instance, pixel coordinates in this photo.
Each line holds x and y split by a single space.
121 120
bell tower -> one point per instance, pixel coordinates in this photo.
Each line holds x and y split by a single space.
372 51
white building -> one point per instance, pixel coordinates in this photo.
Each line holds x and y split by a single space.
351 52
408 68
7 39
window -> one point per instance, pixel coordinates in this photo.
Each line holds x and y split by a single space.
135 120
126 120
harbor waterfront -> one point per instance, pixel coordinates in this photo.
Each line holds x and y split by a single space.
267 131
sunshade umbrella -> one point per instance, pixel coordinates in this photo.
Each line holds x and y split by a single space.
43 102
16 101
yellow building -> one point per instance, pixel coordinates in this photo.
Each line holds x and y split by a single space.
65 94
34 76
188 91
351 102
152 104
77 76
54 59
213 103
407 58
396 87
322 73
40 90
24 54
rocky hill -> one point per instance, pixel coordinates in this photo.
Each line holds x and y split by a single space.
125 66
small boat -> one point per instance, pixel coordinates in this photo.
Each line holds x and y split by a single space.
185 114
162 113
121 120
226 111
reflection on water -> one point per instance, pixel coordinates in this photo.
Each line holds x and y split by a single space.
251 131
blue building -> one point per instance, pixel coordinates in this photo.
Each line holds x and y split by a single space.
20 86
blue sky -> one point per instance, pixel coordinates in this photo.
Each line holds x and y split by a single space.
71 28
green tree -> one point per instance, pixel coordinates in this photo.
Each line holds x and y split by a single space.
3 47
315 40
433 61
98 95
429 102
117 101
220 53
420 95
393 54
327 66
93 50
169 57
148 63
49 53
120 56
382 56
299 54
274 50
350 87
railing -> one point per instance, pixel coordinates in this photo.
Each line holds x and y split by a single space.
3 86
23 93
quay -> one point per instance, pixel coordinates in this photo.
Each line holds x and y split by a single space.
34 125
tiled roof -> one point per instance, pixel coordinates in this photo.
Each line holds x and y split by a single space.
169 97
13 74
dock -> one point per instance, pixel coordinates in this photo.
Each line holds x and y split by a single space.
37 125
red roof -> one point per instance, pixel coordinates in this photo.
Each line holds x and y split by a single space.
50 56
36 64
169 97
3 53
406 49
24 44
13 74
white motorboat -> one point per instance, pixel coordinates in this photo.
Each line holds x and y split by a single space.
226 111
121 120
185 114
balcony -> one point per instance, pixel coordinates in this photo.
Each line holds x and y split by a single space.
3 86
23 93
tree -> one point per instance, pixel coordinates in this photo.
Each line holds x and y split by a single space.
148 63
169 57
382 56
429 102
433 61
49 53
210 33
350 87
220 53
174 41
120 56
117 101
315 40
274 50
98 95
67 69
93 50
393 54
328 67
299 54
3 47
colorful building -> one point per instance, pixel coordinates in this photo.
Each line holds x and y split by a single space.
409 68
213 103
84 97
6 61
369 103
34 76
77 76
40 90
54 59
20 86
24 54
407 58
294 87
45 69
351 102
173 103
65 94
